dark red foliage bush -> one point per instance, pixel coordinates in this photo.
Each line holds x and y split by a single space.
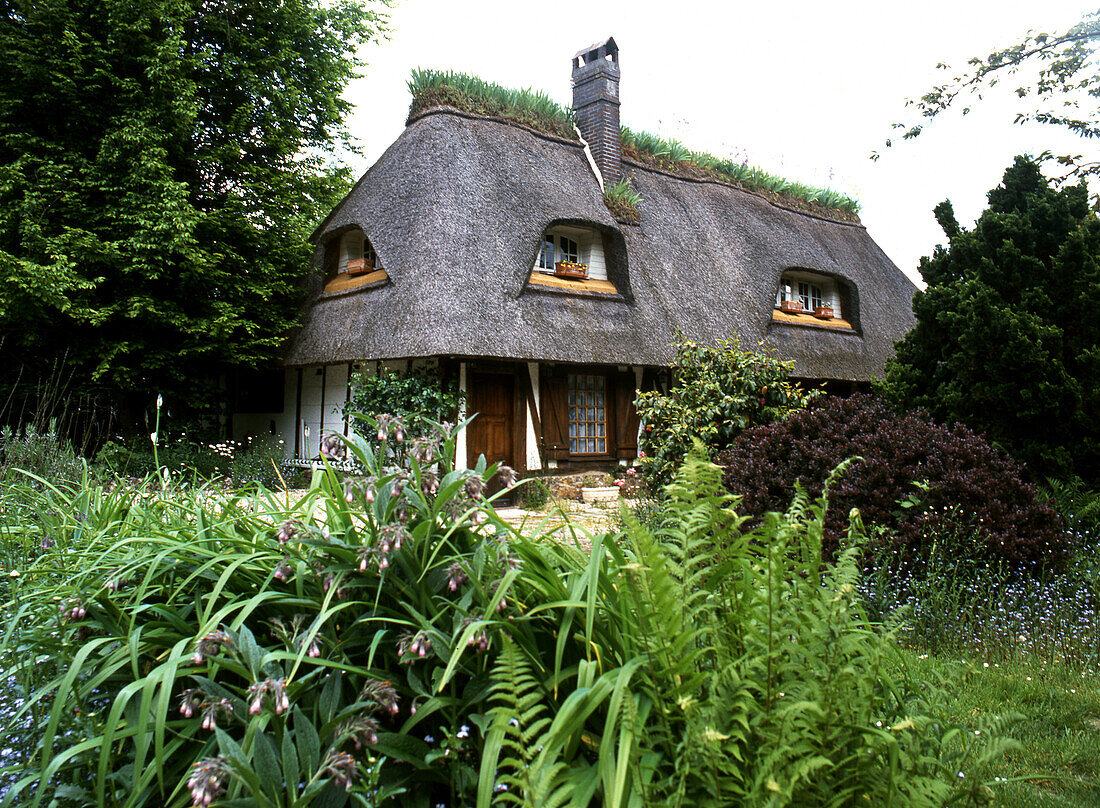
972 500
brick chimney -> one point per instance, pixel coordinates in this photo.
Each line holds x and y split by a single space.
596 104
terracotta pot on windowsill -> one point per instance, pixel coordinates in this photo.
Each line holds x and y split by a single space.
823 312
791 306
567 269
359 266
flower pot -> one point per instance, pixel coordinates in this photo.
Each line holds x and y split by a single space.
567 269
823 312
359 266
601 494
791 306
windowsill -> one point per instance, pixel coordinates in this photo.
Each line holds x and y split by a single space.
589 287
540 278
808 320
344 282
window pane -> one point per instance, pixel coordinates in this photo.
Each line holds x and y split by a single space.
569 251
546 253
587 414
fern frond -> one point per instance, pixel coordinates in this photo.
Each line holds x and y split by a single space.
520 721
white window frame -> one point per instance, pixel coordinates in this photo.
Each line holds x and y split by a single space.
546 252
811 289
568 244
568 250
354 244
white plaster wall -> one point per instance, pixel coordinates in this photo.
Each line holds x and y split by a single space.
534 461
461 461
336 393
311 412
597 266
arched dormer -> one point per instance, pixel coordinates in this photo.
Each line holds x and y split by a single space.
356 255
351 261
579 249
806 297
581 258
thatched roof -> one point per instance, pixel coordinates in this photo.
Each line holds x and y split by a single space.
456 208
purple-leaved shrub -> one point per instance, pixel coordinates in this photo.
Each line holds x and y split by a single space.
933 489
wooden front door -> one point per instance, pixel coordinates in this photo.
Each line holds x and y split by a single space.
491 396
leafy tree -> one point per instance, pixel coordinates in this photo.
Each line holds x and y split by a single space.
717 391
161 165
1059 81
416 400
1007 340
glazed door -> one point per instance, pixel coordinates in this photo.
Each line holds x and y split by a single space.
491 396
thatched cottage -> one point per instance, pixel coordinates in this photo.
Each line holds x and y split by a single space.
452 251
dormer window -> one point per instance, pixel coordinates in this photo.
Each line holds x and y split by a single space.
559 247
808 293
579 259
357 256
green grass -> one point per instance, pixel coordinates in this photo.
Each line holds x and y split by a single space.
674 155
622 200
1059 738
431 88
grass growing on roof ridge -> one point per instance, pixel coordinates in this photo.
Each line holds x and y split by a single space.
432 88
536 109
671 153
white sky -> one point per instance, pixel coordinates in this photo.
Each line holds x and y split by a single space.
806 90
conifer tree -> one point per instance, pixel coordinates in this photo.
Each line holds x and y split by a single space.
1007 339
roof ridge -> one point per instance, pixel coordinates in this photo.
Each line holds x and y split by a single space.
447 109
742 189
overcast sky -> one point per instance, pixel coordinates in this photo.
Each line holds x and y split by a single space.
807 90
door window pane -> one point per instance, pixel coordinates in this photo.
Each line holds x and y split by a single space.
588 416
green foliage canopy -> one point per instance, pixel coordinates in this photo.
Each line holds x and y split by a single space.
417 399
1007 340
1054 72
717 391
161 165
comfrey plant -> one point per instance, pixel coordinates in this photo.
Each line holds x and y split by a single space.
200 649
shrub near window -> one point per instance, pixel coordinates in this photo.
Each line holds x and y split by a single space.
415 399
921 481
717 392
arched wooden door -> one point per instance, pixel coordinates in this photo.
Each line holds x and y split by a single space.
492 433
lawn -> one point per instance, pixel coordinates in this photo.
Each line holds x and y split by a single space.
1057 761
